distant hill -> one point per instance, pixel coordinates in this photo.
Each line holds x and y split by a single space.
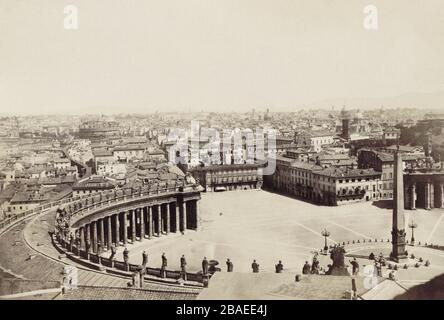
429 100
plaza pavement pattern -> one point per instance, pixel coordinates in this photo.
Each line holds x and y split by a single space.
268 227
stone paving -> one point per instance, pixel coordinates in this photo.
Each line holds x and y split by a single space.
269 227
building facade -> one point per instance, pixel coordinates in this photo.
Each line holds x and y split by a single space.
330 186
384 163
228 177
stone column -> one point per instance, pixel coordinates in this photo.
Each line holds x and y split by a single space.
159 220
117 228
413 196
427 196
102 233
150 222
109 234
441 188
87 234
196 203
184 215
407 195
125 229
168 218
432 195
94 234
177 213
82 238
133 225
142 223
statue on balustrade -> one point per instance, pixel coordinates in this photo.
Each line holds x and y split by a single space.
144 258
126 255
183 261
164 265
113 252
183 269
164 261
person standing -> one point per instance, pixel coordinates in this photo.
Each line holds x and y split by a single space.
306 269
229 266
255 266
279 267
355 266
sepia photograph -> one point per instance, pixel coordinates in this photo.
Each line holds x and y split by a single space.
240 151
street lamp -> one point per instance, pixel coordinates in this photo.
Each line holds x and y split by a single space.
412 226
325 234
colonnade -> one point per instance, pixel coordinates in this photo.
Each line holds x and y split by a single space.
137 224
426 194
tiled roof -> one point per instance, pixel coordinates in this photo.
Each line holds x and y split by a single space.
95 182
106 293
306 166
348 173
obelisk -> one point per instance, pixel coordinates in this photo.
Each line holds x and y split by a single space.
398 222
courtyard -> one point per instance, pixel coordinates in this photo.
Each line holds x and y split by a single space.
257 224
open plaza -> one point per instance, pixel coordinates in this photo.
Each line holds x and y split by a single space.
269 227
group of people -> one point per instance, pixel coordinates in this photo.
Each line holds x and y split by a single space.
313 268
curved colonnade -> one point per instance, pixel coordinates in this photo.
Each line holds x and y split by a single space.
88 227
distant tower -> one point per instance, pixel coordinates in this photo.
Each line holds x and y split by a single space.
428 149
398 223
428 144
345 116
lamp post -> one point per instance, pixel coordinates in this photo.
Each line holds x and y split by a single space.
325 234
412 226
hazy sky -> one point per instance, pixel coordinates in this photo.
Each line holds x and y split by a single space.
169 55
